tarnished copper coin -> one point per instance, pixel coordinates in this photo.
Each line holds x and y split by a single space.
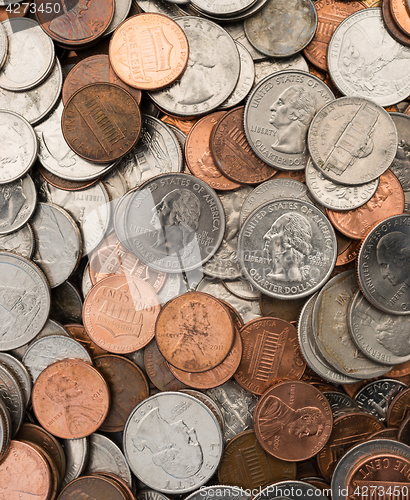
246 464
198 154
399 409
70 399
232 152
293 421
400 12
184 124
347 249
101 122
388 200
79 333
271 354
94 69
194 332
93 488
65 184
119 314
24 474
149 51
74 23
128 387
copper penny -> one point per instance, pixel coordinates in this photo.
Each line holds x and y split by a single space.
347 249
400 13
70 399
232 152
391 26
389 433
348 431
24 473
75 23
158 370
399 370
293 421
246 464
330 14
287 310
271 354
184 125
101 122
128 387
93 488
111 258
55 478
388 200
119 313
198 154
194 332
399 409
117 481
17 10
149 51
79 333
94 69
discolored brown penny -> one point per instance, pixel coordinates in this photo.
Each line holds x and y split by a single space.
271 354
70 399
399 409
246 464
232 152
162 53
293 421
24 473
399 370
347 249
184 125
391 26
101 122
75 23
128 387
93 488
198 154
194 332
287 310
119 313
400 13
79 333
39 436
111 258
296 175
389 433
118 482
63 183
388 200
348 431
94 69
330 14
55 478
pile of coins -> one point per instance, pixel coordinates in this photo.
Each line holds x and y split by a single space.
204 249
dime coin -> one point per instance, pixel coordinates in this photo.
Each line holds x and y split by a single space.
159 422
20 242
401 163
245 80
375 397
382 265
174 222
222 8
293 421
359 38
76 452
237 32
98 139
283 262
276 137
70 399
18 201
243 289
164 51
364 128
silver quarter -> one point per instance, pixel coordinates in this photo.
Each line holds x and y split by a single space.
174 222
211 73
76 454
352 140
30 56
242 289
237 32
47 350
287 248
20 372
375 397
66 304
222 8
383 268
25 300
275 129
36 103
401 163
3 51
13 397
17 204
365 61
159 422
121 11
271 66
337 196
20 242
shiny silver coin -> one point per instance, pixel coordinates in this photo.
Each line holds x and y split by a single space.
3 47
232 18
287 248
161 7
401 163
181 137
18 146
13 396
236 30
222 8
17 204
66 304
209 402
172 442
383 337
47 350
278 114
375 397
174 222
156 152
352 140
365 61
20 242
30 56
119 218
86 283
21 373
340 402
171 288
211 73
270 66
242 289
121 11
25 301
383 265
76 454
5 429
281 29
58 242
36 103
